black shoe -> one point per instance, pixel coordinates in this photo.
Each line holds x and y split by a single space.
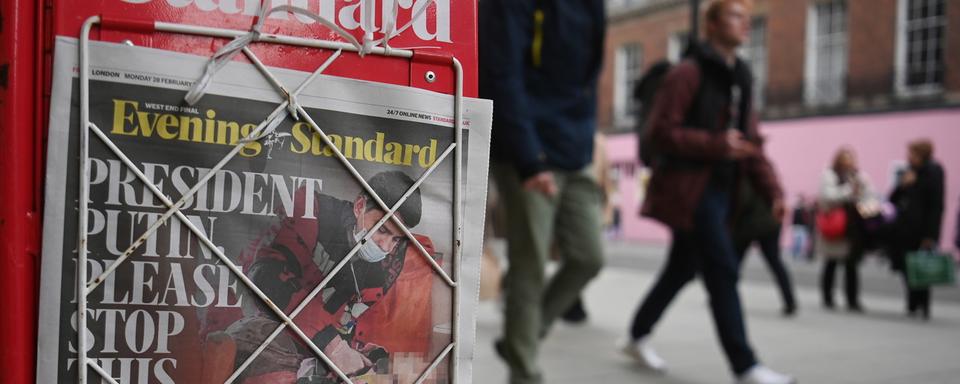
789 311
828 305
575 314
500 349
855 308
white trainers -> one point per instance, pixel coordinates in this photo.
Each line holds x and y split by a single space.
643 353
760 374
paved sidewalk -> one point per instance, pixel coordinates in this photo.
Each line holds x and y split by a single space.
875 274
817 346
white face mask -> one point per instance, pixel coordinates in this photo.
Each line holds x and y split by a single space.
369 251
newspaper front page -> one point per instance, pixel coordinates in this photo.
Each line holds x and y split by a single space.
285 211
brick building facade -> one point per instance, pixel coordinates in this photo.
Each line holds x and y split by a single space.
811 57
869 75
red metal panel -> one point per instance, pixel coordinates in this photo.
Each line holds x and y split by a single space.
19 206
26 35
449 27
430 69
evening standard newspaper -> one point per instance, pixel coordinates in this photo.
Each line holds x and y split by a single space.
285 210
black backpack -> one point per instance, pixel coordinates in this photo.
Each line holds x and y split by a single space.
643 95
646 89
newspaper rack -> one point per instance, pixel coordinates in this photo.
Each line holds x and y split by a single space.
85 287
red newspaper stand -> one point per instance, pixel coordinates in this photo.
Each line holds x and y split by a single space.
27 31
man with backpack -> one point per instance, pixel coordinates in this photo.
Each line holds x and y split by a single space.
644 93
705 138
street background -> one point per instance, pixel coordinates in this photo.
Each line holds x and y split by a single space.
817 346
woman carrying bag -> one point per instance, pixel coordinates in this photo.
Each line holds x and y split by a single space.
918 198
840 226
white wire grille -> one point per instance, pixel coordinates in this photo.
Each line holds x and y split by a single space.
288 106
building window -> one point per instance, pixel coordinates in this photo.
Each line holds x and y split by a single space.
921 27
826 61
676 44
626 4
755 54
627 68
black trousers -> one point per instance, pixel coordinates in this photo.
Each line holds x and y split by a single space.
851 264
706 250
770 249
918 299
851 280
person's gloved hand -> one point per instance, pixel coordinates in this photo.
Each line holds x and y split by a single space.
349 360
378 355
311 373
277 279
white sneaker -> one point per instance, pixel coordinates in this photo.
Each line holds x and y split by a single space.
643 353
760 374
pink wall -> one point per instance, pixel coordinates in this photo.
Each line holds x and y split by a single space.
801 149
622 149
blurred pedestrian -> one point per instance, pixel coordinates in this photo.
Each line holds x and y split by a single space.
539 62
601 171
956 237
801 229
705 138
840 226
756 223
577 313
918 198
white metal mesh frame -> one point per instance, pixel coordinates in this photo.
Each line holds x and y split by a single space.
84 288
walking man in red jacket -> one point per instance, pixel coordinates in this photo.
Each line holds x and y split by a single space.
706 140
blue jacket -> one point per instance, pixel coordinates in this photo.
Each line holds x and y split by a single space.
541 69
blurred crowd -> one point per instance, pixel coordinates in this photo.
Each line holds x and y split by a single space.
712 184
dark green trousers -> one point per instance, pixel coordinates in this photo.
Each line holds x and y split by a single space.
571 220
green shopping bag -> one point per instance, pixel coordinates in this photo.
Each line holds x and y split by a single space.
928 268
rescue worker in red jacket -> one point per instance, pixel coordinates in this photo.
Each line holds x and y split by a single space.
303 251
